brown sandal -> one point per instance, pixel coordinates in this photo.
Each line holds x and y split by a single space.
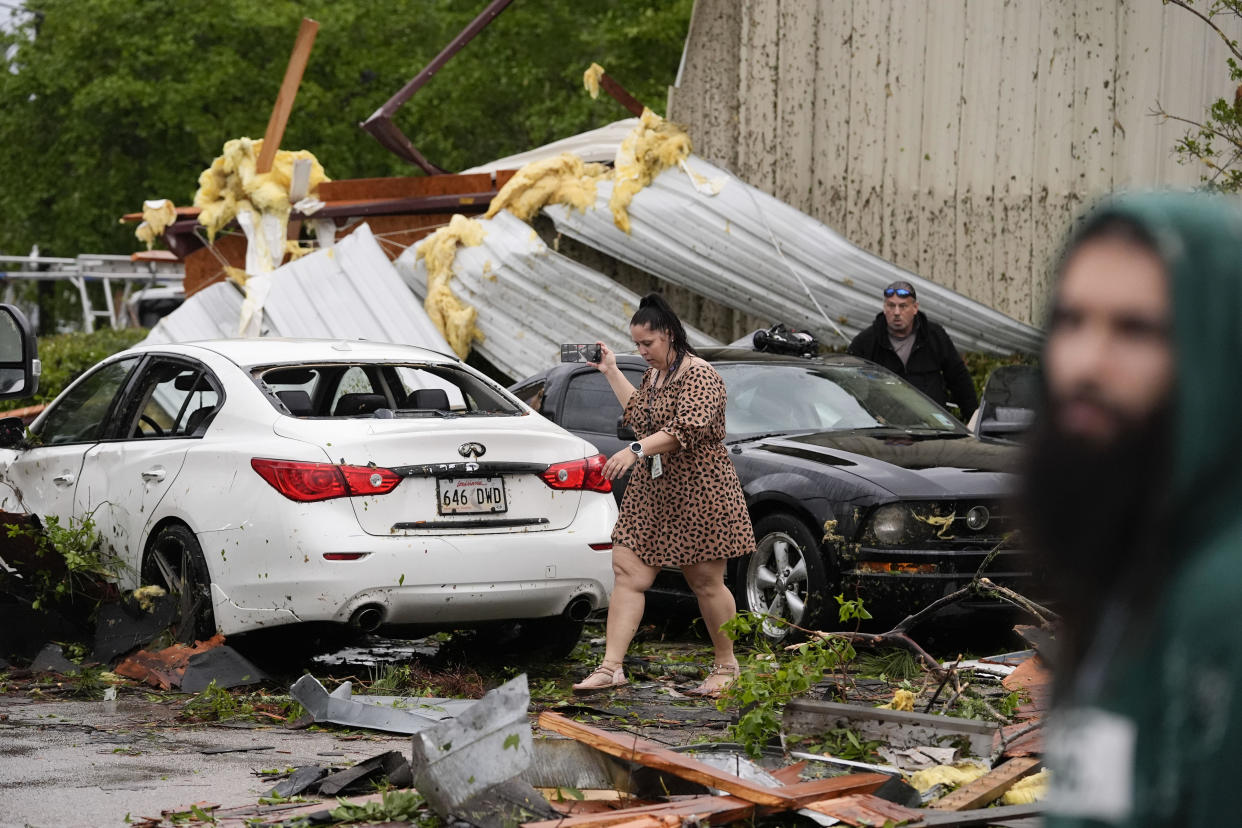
604 678
717 681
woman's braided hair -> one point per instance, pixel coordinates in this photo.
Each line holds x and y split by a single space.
655 313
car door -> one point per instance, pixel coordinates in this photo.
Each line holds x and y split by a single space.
42 477
590 410
124 477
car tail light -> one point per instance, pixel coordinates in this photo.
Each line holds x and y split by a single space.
586 474
307 482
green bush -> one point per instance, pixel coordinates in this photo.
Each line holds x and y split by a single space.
66 356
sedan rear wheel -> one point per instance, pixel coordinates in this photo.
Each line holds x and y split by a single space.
785 576
174 561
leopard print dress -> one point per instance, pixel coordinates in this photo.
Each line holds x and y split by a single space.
695 510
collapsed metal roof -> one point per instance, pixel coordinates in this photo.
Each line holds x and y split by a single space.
530 298
704 229
348 291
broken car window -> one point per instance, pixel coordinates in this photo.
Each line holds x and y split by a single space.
361 389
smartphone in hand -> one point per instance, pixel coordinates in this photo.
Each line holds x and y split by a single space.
579 353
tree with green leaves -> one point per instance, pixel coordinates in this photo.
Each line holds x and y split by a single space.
1215 143
105 103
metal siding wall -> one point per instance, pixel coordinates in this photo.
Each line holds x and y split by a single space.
1012 222
957 138
903 123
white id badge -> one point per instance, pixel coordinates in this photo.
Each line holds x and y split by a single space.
1091 754
657 467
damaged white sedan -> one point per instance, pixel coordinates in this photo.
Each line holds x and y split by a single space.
272 482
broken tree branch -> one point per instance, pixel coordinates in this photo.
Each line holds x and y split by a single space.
943 682
1207 18
1045 616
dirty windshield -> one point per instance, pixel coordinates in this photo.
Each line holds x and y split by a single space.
779 398
399 389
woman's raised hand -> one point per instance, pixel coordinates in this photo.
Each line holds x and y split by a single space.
607 359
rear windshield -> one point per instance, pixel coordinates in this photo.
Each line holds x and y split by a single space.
381 390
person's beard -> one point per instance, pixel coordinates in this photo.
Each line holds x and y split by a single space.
1095 516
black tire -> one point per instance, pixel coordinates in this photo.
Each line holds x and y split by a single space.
174 560
784 577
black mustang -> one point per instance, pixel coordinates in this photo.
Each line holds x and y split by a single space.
856 482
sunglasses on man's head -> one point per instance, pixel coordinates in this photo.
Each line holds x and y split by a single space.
902 292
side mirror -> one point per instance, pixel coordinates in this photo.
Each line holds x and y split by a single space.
624 432
19 355
12 432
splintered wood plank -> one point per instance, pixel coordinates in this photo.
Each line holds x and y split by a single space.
288 91
715 810
989 787
649 754
865 809
790 774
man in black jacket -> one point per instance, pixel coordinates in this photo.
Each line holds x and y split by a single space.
907 343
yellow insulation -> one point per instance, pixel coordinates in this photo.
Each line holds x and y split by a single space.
902 700
231 184
956 775
1028 791
454 318
653 146
590 79
565 179
157 214
145 596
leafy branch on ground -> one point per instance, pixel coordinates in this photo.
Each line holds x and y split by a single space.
767 681
78 564
393 806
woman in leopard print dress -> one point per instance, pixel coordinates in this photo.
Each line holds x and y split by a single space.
684 505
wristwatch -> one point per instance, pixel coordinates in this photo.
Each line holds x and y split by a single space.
637 448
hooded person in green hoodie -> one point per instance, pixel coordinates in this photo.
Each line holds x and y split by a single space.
1134 499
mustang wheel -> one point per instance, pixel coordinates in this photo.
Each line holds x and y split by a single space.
785 576
174 560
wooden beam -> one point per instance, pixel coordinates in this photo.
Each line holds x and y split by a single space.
288 91
649 754
865 809
989 787
715 810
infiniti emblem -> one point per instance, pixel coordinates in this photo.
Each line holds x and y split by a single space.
472 450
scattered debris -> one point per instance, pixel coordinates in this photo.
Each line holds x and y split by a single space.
896 728
192 668
388 713
222 665
121 626
489 743
51 659
390 766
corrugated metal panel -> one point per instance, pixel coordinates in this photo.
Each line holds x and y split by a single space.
212 313
530 299
596 145
958 138
351 291
722 248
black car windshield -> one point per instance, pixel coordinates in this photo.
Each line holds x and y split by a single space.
782 398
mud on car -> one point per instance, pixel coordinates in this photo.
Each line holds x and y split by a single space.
272 482
856 482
